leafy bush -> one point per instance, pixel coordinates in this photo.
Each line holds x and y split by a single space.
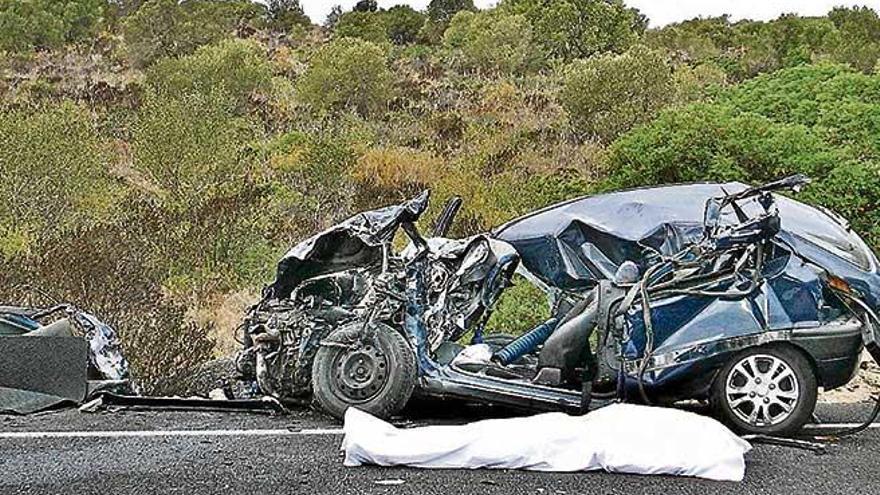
166 28
491 42
790 95
403 24
25 25
235 68
609 94
572 29
217 213
746 49
190 148
521 308
55 177
285 15
368 26
839 104
347 74
859 40
713 142
400 24
442 11
696 83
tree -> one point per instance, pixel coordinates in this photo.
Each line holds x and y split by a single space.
403 23
124 8
859 41
333 16
285 14
491 41
26 25
347 73
608 94
366 6
442 11
369 26
162 28
572 29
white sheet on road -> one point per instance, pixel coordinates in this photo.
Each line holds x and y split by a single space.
622 438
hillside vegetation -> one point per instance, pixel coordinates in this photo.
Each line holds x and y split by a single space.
157 156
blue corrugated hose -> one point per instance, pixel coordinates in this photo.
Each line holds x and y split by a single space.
526 343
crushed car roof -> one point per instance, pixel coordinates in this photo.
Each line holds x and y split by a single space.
573 244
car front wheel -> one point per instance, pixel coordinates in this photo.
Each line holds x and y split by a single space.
766 390
377 375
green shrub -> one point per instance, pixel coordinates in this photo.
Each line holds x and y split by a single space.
521 308
711 142
745 49
56 178
285 15
168 28
347 74
190 148
492 42
839 104
29 24
442 11
368 26
403 24
572 29
609 94
790 95
852 190
235 68
859 41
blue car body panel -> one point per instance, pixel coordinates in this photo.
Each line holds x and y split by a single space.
572 246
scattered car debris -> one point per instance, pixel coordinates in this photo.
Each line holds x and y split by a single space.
619 438
722 292
264 403
56 355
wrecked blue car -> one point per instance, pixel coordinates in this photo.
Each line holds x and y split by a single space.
724 293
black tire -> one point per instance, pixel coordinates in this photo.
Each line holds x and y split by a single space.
377 378
785 396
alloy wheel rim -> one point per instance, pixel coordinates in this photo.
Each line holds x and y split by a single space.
762 390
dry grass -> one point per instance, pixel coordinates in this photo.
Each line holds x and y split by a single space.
223 313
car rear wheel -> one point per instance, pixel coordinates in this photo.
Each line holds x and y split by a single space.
377 376
766 390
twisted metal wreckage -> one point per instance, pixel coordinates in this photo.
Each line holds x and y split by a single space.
724 292
56 355
721 292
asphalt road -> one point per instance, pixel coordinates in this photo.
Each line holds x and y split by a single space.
299 453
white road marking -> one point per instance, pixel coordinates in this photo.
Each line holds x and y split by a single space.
166 433
12 435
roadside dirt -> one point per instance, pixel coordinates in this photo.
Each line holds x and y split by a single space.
861 389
